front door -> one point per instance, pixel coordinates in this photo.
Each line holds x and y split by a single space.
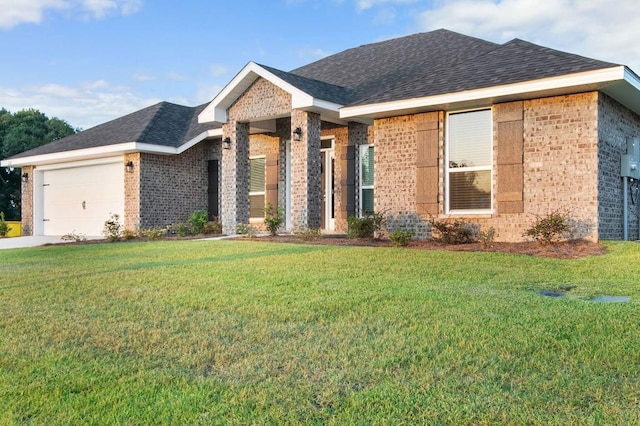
327 163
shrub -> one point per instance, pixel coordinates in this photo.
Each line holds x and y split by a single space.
213 228
112 229
153 233
454 232
365 227
550 228
180 229
198 219
273 220
4 227
73 236
244 229
486 237
128 234
310 234
401 237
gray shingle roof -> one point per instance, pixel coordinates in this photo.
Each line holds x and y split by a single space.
439 62
163 124
316 88
419 65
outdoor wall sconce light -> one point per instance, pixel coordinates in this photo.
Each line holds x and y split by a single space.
297 134
129 166
25 177
226 143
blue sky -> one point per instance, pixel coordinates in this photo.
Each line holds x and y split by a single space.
90 61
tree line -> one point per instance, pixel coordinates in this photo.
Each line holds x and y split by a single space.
19 132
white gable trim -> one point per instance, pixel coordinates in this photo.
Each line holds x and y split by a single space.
216 111
107 151
573 83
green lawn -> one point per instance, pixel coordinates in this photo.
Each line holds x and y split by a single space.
223 332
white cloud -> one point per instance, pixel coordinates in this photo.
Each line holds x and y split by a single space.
84 106
26 11
16 12
597 29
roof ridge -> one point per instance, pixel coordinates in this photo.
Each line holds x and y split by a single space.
149 126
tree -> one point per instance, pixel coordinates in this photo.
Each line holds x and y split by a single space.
21 132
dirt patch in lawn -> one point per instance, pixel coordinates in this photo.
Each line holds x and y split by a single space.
573 249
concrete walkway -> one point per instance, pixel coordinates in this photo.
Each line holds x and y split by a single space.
35 241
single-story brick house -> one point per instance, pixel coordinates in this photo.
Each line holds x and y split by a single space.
436 124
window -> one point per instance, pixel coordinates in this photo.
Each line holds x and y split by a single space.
366 179
256 187
469 159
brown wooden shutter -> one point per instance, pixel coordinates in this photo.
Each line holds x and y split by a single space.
427 163
348 181
510 140
271 183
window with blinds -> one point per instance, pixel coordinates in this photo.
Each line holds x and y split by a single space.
256 187
469 160
366 180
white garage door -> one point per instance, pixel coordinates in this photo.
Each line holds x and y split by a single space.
80 199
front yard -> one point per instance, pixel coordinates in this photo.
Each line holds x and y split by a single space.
239 332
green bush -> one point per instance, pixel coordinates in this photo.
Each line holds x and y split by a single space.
273 219
454 232
4 227
310 234
180 229
198 220
112 229
365 227
401 237
213 228
550 228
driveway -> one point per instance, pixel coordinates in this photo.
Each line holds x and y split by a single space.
38 240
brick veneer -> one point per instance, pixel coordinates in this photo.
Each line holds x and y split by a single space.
306 198
171 187
560 168
27 202
616 123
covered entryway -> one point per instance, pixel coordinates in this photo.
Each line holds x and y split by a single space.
78 197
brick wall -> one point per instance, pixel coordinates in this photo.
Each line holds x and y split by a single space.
132 193
616 123
27 202
560 168
171 187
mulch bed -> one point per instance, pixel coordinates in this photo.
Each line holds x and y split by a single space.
573 249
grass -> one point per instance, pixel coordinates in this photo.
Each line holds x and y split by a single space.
223 332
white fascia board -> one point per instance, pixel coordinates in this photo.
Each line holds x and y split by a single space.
216 111
75 155
212 133
592 79
632 78
106 151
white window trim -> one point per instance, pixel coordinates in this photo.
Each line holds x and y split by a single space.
361 149
264 190
447 170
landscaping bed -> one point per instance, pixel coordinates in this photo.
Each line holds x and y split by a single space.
571 249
